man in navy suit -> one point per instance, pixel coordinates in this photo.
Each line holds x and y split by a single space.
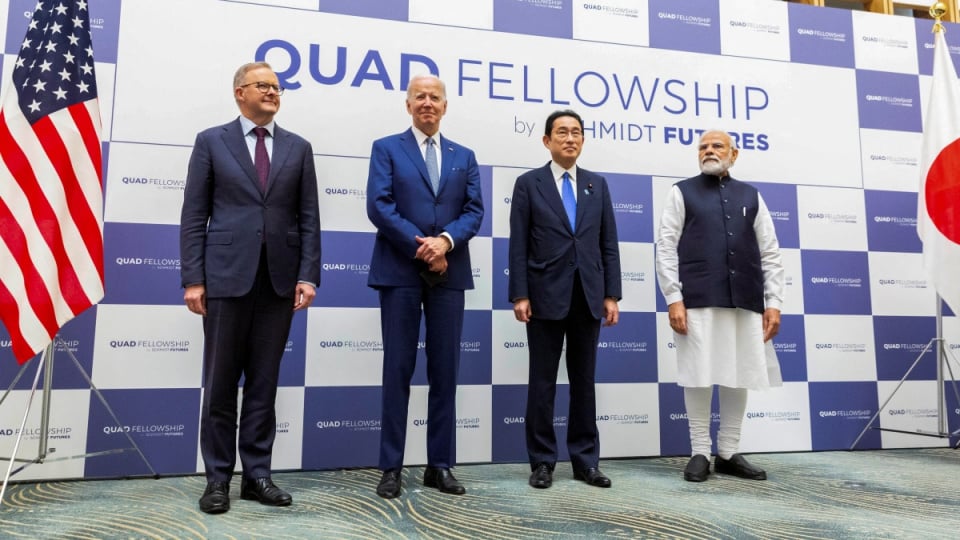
423 195
564 279
250 257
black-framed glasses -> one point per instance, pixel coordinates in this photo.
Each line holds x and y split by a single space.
263 87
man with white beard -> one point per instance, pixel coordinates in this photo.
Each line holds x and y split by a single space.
719 268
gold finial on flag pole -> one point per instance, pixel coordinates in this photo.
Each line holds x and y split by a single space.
937 11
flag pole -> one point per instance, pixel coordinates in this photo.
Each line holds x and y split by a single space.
937 343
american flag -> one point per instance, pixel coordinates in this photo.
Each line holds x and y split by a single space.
51 196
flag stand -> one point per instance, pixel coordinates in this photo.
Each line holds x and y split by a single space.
943 429
45 364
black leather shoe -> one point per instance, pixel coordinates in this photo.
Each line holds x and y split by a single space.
593 476
697 469
542 476
737 465
389 486
216 498
264 491
443 480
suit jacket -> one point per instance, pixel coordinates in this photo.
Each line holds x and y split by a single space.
402 205
225 218
545 253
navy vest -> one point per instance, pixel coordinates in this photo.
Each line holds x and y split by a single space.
718 250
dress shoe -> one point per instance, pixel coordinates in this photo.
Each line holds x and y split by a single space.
264 491
697 469
389 486
216 498
443 480
542 476
593 476
737 465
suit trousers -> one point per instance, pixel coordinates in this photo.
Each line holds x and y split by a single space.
545 342
243 336
400 314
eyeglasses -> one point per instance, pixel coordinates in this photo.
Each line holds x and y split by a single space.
563 134
263 87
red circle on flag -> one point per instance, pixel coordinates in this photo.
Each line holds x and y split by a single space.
942 191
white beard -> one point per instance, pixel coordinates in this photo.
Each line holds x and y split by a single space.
714 167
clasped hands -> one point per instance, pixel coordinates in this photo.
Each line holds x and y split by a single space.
433 251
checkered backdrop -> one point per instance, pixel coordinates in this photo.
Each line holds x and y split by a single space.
827 107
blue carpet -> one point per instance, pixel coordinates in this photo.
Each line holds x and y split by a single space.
871 494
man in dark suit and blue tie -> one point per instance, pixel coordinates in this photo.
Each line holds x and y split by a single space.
564 279
250 257
423 196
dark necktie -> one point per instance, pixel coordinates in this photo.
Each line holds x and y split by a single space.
261 160
569 201
433 171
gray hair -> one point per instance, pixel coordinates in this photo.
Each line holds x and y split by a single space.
247 68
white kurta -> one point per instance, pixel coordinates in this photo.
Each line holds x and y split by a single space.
723 345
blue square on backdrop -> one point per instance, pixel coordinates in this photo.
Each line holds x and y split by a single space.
889 101
341 427
835 282
549 18
345 269
899 341
839 411
142 264
674 427
76 336
167 435
396 10
632 197
627 352
791 347
693 25
892 221
509 435
475 354
781 201
821 36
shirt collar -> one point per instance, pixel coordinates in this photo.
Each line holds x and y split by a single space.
422 137
558 171
247 125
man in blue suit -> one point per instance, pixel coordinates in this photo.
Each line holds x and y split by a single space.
250 257
564 279
423 196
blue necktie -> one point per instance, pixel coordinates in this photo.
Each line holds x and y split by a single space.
433 171
569 201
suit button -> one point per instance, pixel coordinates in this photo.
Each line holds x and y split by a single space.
569 264
729 234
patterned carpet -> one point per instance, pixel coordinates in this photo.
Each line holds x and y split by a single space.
870 494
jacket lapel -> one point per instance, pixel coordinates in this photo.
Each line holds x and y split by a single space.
584 194
233 138
280 152
548 190
409 144
445 152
